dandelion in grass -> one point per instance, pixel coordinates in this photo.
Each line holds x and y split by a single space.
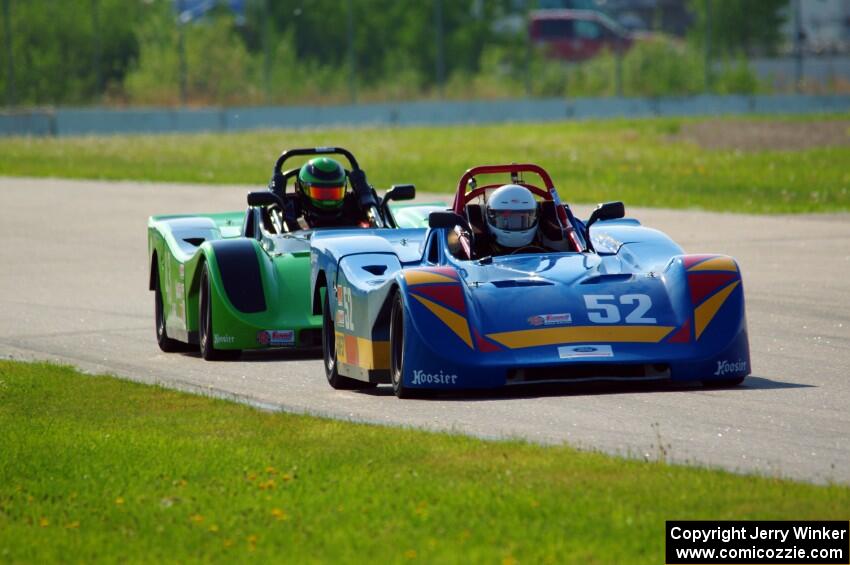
119 501
269 484
196 518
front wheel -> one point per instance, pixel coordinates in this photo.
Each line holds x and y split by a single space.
165 343
205 324
397 348
329 356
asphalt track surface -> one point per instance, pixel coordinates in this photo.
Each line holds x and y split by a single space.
73 288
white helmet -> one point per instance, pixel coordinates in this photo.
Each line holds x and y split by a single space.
512 215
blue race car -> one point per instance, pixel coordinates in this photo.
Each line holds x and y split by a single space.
608 299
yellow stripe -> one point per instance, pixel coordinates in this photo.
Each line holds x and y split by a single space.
582 334
706 311
420 277
455 322
370 354
339 343
373 354
716 264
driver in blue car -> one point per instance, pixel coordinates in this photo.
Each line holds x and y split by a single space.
515 225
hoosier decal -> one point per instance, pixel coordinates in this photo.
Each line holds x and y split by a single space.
421 378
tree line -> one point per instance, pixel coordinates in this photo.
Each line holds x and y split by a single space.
81 52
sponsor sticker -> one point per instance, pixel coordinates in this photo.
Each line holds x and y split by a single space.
276 337
217 338
345 319
551 319
580 351
422 378
726 367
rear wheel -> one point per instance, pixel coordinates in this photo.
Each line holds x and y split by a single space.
336 380
723 383
397 348
205 325
165 343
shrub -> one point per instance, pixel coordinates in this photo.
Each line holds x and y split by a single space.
219 69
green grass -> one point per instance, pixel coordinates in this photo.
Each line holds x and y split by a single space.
99 469
636 161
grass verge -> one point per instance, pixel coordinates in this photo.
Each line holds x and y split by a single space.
639 161
99 469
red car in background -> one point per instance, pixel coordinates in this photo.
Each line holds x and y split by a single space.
577 35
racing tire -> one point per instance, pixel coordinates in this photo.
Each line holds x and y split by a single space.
331 365
166 344
397 327
723 383
205 329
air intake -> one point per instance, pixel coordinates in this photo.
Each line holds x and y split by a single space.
584 372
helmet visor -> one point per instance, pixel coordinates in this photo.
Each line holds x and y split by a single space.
326 194
512 220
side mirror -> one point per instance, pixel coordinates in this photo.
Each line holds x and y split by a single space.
446 220
606 211
400 192
264 198
396 192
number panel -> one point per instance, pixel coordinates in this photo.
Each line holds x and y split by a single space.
604 308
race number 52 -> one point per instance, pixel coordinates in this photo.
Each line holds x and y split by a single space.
607 309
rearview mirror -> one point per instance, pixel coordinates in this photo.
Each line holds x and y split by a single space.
446 219
264 198
401 192
607 211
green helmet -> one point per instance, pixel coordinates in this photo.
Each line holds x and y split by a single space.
321 182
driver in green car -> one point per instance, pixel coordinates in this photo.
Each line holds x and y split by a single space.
324 201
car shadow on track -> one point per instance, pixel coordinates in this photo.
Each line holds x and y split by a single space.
281 355
752 383
262 356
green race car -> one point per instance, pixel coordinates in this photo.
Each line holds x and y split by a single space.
234 281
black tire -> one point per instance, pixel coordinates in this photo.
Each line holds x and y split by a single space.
723 383
205 328
336 380
397 348
165 343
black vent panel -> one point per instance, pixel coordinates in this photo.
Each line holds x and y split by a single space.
581 372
